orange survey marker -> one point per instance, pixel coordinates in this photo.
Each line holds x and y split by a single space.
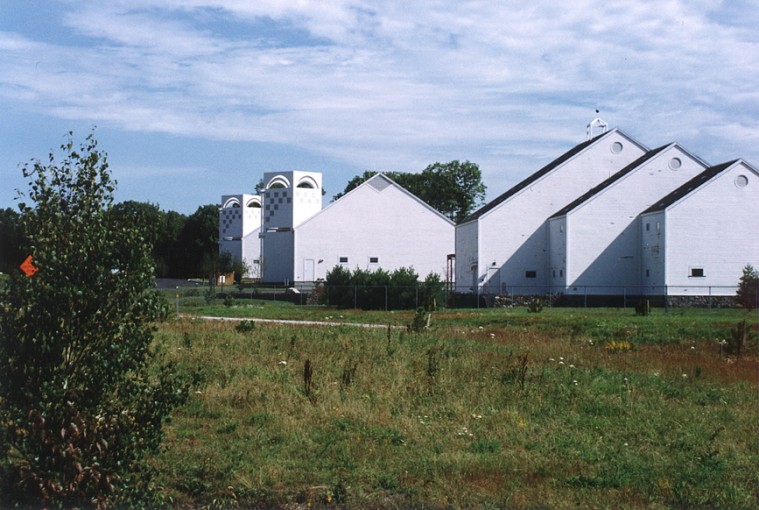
28 268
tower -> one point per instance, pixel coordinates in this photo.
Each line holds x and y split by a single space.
289 199
239 223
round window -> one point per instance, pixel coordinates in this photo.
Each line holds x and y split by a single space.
675 163
741 181
617 147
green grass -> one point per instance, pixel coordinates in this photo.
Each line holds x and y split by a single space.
490 409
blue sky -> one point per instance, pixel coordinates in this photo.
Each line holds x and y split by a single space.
198 98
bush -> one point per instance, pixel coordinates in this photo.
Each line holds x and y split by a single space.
748 288
82 396
377 290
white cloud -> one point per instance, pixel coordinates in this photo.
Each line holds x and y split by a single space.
397 84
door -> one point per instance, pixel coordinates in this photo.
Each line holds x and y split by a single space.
308 270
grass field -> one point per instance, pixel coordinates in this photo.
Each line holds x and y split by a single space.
487 409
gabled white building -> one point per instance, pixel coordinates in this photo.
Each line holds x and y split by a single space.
594 241
379 224
697 239
239 225
502 247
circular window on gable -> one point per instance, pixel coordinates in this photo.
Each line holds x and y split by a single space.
741 181
617 147
675 163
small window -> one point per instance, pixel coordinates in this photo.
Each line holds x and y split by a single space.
648 227
343 260
617 147
554 273
648 273
741 181
561 273
697 272
531 274
374 260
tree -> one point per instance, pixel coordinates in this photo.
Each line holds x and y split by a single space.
748 288
199 242
10 240
455 189
82 396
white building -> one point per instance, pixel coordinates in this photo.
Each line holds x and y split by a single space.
697 239
239 225
594 241
289 199
502 247
376 225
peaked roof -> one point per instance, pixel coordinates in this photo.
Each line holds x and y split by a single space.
536 176
611 180
379 182
690 186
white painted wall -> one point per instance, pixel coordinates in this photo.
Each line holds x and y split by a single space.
467 247
653 252
514 234
713 228
377 219
239 224
289 199
603 240
558 253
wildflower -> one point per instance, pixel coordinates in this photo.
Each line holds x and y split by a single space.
283 362
551 359
561 362
571 366
685 376
492 335
574 381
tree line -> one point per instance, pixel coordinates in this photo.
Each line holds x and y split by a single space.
182 246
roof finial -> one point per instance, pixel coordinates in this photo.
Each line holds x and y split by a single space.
596 124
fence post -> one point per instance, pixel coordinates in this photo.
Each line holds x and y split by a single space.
355 297
416 300
386 298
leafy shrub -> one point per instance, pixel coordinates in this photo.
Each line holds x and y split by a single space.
535 305
748 288
82 396
245 326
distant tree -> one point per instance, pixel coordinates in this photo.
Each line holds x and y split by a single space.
455 189
11 239
167 250
199 242
83 397
748 288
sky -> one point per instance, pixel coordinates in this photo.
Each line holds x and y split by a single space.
193 99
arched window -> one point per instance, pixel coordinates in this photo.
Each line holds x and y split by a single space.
232 202
278 182
254 202
308 183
